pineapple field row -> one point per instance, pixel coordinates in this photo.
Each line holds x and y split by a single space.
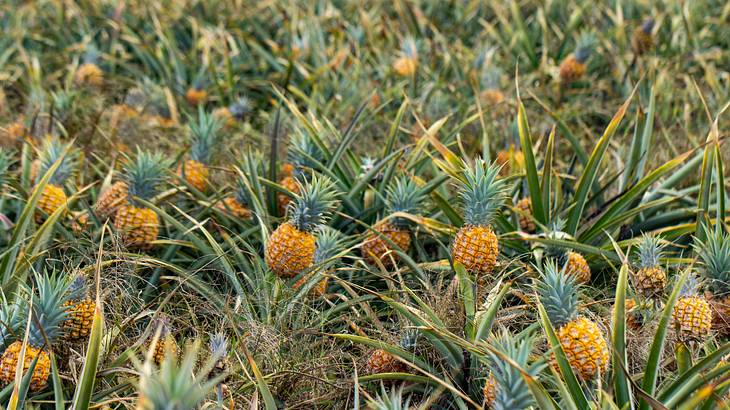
384 205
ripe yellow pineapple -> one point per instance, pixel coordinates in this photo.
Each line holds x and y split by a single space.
649 279
581 339
48 312
80 310
576 265
482 193
714 261
380 361
329 244
204 137
634 318
111 199
291 247
574 66
237 204
231 115
642 39
196 94
165 343
511 160
524 215
403 195
137 224
490 391
692 315
53 195
407 64
89 74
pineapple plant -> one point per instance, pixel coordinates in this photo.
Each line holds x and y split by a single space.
10 322
649 278
476 245
302 155
580 338
571 262
642 39
80 311
491 94
714 263
196 94
137 224
381 361
110 199
218 347
53 195
402 195
407 64
204 137
233 113
692 315
89 74
238 203
329 244
13 134
291 248
524 215
162 344
511 160
574 66
49 312
505 388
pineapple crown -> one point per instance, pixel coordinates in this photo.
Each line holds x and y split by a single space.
512 392
329 243
555 231
482 192
403 195
310 208
650 250
48 308
241 107
691 286
491 78
51 151
648 25
161 324
63 103
77 289
409 341
204 136
558 293
241 193
218 345
144 173
714 255
91 56
7 158
10 322
303 153
409 48
584 46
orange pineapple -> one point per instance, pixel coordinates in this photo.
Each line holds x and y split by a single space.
574 66
204 136
53 195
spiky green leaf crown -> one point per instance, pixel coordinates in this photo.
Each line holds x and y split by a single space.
144 174
714 255
558 293
512 391
409 341
555 232
311 208
10 323
7 158
92 54
204 136
241 107
48 310
303 154
403 195
650 250
77 289
329 243
51 151
483 193
218 345
691 286
648 25
241 193
584 47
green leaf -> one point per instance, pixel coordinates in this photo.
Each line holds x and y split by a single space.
618 335
533 181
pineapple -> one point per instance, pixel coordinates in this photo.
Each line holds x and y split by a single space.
576 265
407 64
574 66
511 160
10 322
329 244
89 74
380 361
524 215
80 308
205 138
137 224
581 339
13 134
196 95
692 315
111 199
164 343
53 195
302 155
238 203
492 94
476 245
714 261
649 279
234 113
642 39
290 249
218 347
571 262
403 195
505 388
48 314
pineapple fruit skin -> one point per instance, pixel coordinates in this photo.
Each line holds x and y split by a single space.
650 282
381 361
476 247
641 41
12 135
138 226
524 205
52 198
111 199
492 97
195 96
584 347
376 248
9 361
89 74
577 266
490 391
405 66
289 251
232 206
571 69
283 200
164 346
77 325
195 173
693 316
